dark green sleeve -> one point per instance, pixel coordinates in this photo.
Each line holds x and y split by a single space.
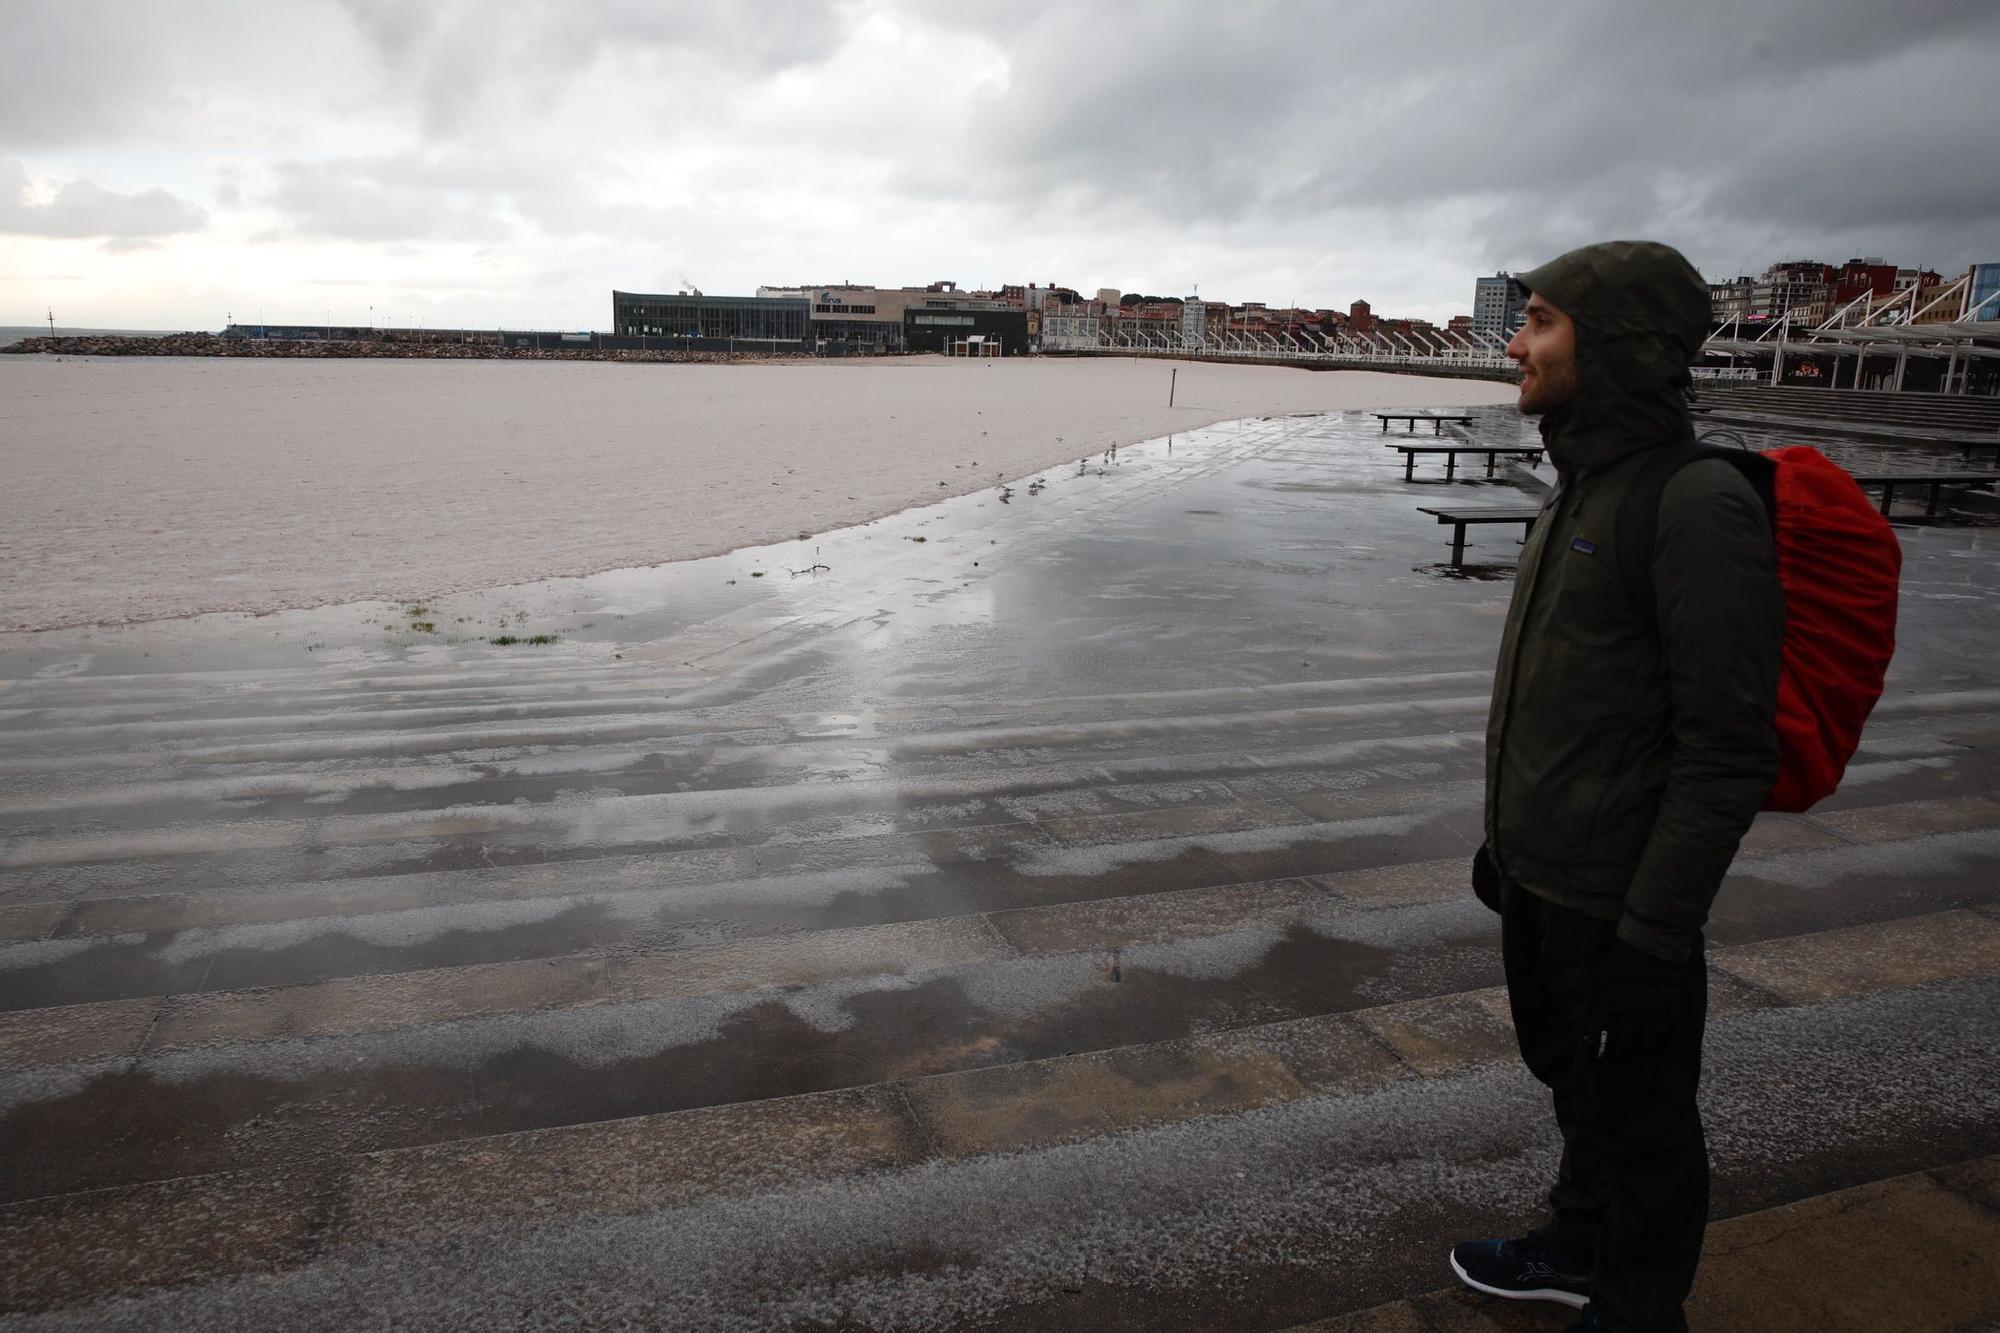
1722 624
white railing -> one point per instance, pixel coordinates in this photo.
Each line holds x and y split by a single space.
1246 344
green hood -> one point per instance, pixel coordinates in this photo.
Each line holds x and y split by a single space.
1641 313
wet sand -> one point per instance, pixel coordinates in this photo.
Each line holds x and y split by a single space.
145 490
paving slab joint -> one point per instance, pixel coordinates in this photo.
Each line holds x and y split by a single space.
328 1206
1975 1180
921 1126
1813 822
1758 990
1405 1067
65 924
152 1024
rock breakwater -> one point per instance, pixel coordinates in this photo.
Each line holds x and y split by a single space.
390 348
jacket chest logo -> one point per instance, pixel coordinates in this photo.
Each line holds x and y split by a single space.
1585 545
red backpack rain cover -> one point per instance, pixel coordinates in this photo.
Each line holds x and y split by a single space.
1839 565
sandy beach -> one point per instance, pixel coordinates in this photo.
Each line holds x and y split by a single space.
144 490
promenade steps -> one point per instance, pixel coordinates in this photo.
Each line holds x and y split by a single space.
1255 1177
1960 409
727 986
856 1017
1947 421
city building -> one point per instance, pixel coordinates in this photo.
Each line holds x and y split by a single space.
1874 277
934 328
1072 328
857 319
1194 324
766 319
1982 295
1731 298
1803 287
846 318
1496 304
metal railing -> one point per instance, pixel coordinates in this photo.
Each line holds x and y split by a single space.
1303 347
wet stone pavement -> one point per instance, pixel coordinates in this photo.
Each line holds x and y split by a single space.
1044 910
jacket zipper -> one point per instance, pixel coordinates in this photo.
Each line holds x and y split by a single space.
1555 511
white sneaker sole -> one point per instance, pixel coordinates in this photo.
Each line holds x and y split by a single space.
1555 1294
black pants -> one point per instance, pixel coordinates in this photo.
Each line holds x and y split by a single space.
1630 1201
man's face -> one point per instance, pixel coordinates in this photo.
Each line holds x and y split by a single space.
1545 349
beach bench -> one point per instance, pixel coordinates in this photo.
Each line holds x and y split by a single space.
1532 453
1935 481
1437 420
1461 519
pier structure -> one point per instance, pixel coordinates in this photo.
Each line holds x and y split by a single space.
1942 340
1475 355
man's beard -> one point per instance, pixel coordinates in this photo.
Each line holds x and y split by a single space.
1546 390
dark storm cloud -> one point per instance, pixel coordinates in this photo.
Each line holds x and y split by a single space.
82 210
1545 126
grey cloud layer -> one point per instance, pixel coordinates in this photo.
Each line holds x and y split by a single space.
1472 134
81 209
1547 125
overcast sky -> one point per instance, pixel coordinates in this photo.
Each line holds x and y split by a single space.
495 163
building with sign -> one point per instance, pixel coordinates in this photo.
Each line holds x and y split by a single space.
851 319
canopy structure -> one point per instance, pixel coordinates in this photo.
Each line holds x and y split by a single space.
1901 327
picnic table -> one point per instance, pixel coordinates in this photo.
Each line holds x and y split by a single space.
1494 452
1462 518
1437 420
1936 481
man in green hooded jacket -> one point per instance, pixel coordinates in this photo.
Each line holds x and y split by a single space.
1628 749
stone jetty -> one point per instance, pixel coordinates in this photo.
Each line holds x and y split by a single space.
389 346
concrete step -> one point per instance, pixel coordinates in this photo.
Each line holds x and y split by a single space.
1250 1178
1793 872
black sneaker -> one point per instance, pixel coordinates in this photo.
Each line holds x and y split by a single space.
1520 1270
